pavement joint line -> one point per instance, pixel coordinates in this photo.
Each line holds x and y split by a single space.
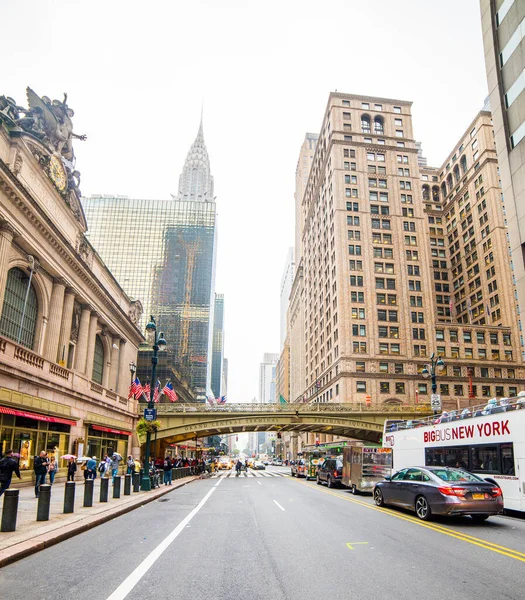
516 554
62 531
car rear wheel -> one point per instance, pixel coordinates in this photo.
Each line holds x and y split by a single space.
318 481
293 474
479 518
422 507
378 497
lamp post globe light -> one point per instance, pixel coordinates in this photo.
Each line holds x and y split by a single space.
436 363
159 344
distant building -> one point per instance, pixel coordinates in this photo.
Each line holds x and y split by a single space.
286 287
217 365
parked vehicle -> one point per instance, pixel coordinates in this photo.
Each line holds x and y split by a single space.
258 466
298 468
364 466
440 491
313 457
330 471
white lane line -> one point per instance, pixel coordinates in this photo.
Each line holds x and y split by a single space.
259 483
279 506
131 581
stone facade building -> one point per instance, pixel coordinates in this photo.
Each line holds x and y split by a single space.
68 332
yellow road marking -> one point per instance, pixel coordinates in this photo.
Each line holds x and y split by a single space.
352 544
516 554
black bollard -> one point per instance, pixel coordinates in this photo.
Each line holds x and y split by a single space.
104 488
127 485
44 502
116 486
136 482
10 510
69 497
88 492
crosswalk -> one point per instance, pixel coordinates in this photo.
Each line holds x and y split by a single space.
250 473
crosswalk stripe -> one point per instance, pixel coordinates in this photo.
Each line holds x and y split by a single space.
249 474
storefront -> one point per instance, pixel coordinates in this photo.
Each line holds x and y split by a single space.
27 434
106 440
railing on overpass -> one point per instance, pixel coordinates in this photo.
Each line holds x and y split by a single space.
331 407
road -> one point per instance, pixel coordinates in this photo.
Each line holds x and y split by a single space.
267 536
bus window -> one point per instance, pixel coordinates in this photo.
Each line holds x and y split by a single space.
455 456
507 459
484 458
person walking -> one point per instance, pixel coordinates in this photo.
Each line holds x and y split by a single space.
52 470
238 467
115 459
40 464
167 466
131 465
91 468
102 467
8 466
71 469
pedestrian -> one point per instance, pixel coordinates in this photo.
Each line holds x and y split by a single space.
167 466
115 459
131 465
52 470
102 468
8 466
40 464
71 469
138 466
91 468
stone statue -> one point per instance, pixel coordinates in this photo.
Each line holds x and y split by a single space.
135 311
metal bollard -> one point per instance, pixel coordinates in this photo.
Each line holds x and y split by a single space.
104 488
88 492
69 497
44 502
9 510
136 482
127 485
116 486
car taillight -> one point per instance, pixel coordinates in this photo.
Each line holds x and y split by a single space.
336 473
496 491
453 491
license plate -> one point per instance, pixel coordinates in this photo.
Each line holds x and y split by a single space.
478 496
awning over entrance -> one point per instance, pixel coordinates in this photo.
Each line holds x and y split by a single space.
21 413
110 430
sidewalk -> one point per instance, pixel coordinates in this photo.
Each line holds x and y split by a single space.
32 536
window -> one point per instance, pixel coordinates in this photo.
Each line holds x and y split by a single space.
356 265
360 367
359 330
397 110
422 388
357 296
354 250
458 390
15 293
98 361
359 347
361 386
398 368
384 387
356 280
383 367
365 123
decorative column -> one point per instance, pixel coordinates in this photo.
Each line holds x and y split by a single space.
65 326
56 306
113 373
83 333
6 238
92 336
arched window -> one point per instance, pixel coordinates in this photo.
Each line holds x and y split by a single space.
426 193
365 123
13 309
98 361
456 174
435 193
379 125
463 163
450 183
444 190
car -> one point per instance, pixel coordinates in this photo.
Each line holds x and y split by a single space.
330 471
265 463
278 463
225 463
440 491
258 466
298 468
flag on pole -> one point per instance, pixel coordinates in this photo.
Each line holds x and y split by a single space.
147 391
137 388
168 391
211 400
282 400
156 391
221 400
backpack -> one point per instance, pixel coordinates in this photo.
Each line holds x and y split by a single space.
102 467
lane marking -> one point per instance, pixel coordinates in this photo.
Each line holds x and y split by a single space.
259 483
284 510
135 576
352 544
470 539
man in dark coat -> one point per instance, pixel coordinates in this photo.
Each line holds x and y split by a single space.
40 465
8 466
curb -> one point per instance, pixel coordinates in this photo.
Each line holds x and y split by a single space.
46 540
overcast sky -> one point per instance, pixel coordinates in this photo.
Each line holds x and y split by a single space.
136 74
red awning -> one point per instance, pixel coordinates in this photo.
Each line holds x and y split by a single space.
110 430
28 415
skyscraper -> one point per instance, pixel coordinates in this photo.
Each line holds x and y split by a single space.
217 365
170 263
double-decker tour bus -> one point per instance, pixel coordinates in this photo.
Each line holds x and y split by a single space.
488 440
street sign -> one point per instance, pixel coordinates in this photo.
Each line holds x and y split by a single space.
435 402
150 414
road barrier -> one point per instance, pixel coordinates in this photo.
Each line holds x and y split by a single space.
9 510
89 486
127 485
69 497
44 502
104 488
136 482
116 486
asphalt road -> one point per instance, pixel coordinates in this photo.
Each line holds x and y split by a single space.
270 537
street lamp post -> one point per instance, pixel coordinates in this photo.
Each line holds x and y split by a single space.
159 344
436 362
132 370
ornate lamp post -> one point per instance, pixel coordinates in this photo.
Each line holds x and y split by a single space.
159 344
132 370
436 362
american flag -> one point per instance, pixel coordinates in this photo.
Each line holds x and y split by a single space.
137 388
156 391
147 391
211 400
168 391
221 400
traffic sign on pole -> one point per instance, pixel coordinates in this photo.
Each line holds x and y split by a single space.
435 402
150 414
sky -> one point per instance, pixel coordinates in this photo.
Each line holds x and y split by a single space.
138 74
